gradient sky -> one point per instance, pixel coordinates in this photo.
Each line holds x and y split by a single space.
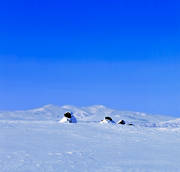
122 54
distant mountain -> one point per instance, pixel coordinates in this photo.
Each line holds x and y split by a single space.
87 114
170 123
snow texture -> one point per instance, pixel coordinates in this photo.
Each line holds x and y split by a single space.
68 120
34 141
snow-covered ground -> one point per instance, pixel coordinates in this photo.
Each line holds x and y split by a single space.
34 141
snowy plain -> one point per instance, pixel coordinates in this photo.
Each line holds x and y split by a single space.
34 141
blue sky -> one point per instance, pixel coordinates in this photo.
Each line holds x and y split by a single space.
123 54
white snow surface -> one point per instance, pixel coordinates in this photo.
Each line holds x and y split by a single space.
34 141
68 120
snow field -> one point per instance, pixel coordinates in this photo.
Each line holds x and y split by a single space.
47 146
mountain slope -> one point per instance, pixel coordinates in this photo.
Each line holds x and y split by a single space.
88 114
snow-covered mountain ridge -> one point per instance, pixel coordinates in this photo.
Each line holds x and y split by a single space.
89 114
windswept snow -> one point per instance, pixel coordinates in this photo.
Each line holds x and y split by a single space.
33 140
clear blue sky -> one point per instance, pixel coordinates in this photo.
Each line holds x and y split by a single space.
123 54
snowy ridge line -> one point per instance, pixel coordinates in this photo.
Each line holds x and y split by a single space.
170 123
89 114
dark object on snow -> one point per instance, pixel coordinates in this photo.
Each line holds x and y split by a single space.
122 122
108 118
130 124
67 114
